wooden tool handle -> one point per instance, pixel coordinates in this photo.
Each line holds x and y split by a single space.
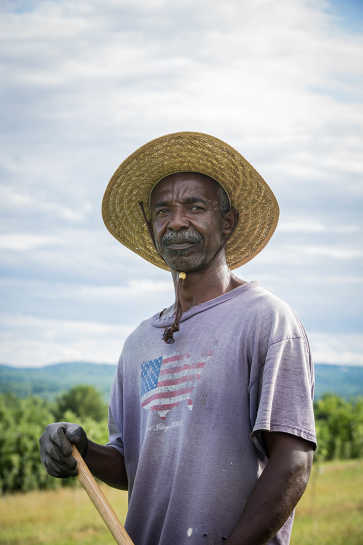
100 501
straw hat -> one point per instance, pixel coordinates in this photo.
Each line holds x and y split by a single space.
135 178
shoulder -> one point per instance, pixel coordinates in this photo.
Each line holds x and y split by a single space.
263 299
271 316
141 333
142 342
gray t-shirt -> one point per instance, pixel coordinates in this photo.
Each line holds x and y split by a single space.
187 416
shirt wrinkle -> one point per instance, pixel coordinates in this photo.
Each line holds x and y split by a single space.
285 339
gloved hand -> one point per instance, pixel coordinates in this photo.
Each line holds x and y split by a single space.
56 448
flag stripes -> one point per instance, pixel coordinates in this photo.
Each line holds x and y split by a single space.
167 382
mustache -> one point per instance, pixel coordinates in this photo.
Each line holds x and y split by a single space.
175 237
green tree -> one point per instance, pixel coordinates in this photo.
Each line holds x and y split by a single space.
357 431
83 401
339 427
21 423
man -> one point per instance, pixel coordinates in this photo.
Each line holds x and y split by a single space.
211 421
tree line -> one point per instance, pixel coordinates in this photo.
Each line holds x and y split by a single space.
339 428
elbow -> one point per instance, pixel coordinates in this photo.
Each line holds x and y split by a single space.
304 464
290 464
298 473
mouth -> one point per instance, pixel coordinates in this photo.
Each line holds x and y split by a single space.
180 245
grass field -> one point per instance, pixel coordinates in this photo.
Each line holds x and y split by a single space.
330 512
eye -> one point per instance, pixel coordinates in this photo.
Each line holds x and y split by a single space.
197 208
162 212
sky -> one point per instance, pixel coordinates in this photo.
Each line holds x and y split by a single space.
84 84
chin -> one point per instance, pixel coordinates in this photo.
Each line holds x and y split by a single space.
191 261
185 265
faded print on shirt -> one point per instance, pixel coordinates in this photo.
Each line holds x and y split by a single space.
166 382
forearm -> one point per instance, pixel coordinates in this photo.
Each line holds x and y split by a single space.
274 497
107 464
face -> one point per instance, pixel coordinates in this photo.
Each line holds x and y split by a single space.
188 225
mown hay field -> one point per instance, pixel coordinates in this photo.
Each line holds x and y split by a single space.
330 512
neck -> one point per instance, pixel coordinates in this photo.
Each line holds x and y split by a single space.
201 286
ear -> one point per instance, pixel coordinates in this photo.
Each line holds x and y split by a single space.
229 222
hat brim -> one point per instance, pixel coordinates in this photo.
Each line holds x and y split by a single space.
135 178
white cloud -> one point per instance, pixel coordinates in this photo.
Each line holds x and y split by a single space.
306 226
332 252
308 256
26 242
84 84
18 201
126 290
338 348
30 341
133 289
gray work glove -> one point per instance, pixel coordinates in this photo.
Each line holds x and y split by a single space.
56 448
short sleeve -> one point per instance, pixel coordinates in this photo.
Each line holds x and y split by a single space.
285 391
115 412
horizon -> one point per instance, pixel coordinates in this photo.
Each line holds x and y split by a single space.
48 381
52 364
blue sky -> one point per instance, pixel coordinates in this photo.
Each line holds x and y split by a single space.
84 84
350 13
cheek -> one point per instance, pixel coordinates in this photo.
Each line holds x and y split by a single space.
158 230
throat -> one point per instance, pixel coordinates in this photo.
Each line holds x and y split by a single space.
197 289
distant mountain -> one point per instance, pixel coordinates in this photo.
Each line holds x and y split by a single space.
344 380
49 381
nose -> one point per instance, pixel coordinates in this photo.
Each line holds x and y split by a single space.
178 220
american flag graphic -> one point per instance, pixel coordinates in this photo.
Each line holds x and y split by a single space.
166 382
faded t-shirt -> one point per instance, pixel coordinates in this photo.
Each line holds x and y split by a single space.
187 416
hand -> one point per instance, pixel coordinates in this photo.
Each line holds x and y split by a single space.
56 448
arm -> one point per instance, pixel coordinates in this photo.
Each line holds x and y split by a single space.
277 491
104 461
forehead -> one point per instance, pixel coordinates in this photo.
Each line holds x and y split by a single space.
184 185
